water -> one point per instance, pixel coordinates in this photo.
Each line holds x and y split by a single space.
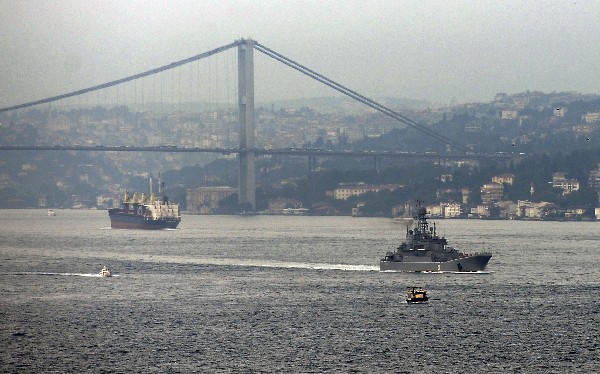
291 294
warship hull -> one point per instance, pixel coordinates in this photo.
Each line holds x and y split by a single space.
471 263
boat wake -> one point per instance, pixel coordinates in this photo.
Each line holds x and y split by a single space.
242 262
110 228
320 266
175 259
439 272
269 264
95 275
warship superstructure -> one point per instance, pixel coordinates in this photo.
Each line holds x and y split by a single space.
424 251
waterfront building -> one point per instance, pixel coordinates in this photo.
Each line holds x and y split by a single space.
205 200
451 210
286 206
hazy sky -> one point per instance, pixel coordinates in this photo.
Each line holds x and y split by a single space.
432 50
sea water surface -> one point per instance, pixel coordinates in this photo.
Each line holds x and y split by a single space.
273 294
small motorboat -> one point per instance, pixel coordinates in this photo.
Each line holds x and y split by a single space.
50 213
105 272
416 295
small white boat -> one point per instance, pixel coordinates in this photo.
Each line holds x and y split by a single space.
50 213
105 272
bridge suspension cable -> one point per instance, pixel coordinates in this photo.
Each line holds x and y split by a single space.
123 80
355 95
269 52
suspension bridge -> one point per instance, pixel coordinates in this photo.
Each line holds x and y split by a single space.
247 150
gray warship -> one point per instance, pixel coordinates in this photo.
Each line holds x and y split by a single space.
424 251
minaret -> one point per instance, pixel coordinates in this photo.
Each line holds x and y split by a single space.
532 189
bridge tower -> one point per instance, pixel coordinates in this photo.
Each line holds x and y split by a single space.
247 194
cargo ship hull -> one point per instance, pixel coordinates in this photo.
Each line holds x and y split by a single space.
141 223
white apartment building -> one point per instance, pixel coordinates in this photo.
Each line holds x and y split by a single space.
345 191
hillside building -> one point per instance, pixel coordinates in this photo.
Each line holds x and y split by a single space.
504 179
492 192
559 180
345 191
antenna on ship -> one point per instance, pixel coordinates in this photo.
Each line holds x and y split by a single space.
159 184
161 188
151 192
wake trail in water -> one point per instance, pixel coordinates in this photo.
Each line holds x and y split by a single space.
320 266
441 272
259 263
108 257
60 274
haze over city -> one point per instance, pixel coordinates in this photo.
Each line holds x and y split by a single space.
434 51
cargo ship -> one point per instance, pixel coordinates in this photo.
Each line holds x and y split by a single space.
424 251
147 214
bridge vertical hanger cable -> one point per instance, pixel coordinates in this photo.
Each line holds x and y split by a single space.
269 53
227 80
180 71
208 80
171 99
160 106
198 90
122 98
190 95
142 88
357 96
217 93
116 105
123 80
227 84
154 93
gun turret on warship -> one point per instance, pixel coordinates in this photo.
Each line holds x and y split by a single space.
424 251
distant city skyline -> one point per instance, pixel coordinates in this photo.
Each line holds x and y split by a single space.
433 51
